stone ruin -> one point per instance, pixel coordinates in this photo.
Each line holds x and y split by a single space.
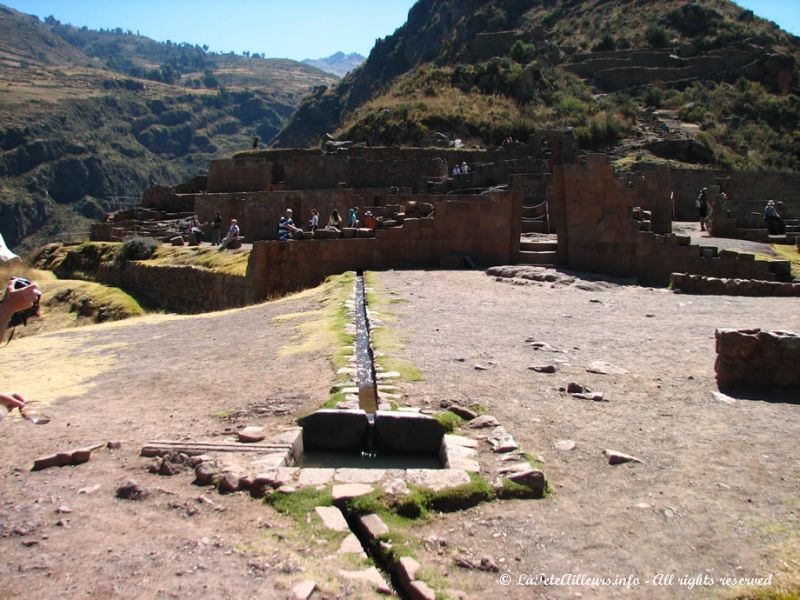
604 221
752 358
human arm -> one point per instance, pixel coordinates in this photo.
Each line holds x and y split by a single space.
16 300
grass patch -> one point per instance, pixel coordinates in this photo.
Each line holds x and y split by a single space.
450 421
298 504
388 340
230 262
791 254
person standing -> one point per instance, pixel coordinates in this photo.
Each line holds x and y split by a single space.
216 229
702 207
313 222
775 225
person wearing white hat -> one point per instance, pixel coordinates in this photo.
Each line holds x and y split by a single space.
774 221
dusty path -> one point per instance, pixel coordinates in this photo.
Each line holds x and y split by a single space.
717 493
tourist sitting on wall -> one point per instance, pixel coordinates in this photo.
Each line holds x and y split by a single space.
195 229
313 222
456 171
369 220
464 168
775 224
233 234
335 221
702 207
286 226
352 217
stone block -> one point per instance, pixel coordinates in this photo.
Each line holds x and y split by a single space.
407 432
347 475
332 518
437 479
331 429
345 491
312 477
371 526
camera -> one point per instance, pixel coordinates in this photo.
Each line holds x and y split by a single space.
21 317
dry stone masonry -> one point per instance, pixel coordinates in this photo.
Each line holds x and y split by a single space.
757 359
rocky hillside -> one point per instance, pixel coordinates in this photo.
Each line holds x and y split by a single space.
339 63
89 119
701 82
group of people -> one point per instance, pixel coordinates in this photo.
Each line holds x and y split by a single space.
461 169
772 218
287 227
195 229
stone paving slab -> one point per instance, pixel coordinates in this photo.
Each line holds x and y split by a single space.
332 518
345 491
315 476
351 475
437 479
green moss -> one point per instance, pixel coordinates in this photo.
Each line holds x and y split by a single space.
463 496
450 421
297 505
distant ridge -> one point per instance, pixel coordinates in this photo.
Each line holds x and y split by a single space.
340 64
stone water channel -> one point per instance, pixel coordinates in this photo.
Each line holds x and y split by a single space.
360 448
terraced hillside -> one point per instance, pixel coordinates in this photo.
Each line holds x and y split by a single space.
89 119
700 83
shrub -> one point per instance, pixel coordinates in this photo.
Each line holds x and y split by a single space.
522 52
657 36
138 248
604 45
653 96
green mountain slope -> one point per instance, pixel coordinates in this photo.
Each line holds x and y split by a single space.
699 83
89 118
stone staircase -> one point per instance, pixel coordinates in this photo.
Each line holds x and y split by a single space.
540 253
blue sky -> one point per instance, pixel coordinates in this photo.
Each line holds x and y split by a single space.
279 28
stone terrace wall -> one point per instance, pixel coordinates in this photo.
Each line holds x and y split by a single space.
183 289
756 358
239 175
697 284
486 228
593 214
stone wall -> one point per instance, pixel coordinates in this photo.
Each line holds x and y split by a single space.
593 214
698 284
747 191
756 358
486 228
182 289
251 174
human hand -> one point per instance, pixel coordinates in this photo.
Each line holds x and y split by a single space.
12 401
16 300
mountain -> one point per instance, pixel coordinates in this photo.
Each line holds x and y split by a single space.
340 64
89 119
703 83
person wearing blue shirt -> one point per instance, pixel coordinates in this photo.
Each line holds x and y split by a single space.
286 226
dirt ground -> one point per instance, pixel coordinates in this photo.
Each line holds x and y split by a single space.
716 494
